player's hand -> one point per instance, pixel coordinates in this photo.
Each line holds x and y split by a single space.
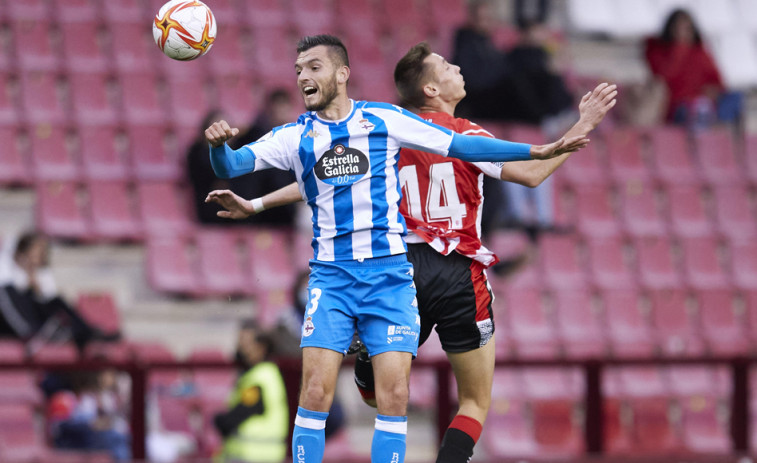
236 207
561 146
219 132
597 103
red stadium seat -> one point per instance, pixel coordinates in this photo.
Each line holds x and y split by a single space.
655 265
100 310
56 354
207 354
266 13
155 352
51 154
750 300
236 98
188 102
269 259
219 255
34 51
161 209
624 153
28 10
594 215
19 387
312 17
646 381
141 51
628 329
228 57
687 215
11 350
141 104
508 432
91 100
77 11
607 263
579 326
717 158
533 333
273 61
639 211
102 153
214 385
561 265
150 159
750 158
83 48
9 114
112 211
733 214
671 161
676 330
556 429
743 255
269 304
723 327
587 167
59 211
14 164
169 267
652 429
122 12
40 98
702 263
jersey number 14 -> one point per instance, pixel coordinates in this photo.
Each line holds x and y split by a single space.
442 203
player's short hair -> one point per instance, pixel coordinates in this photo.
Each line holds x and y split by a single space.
334 44
410 73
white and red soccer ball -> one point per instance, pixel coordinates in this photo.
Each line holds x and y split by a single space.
184 29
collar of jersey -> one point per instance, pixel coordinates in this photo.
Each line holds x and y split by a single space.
328 122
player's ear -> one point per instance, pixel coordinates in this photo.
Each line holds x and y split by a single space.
430 90
343 75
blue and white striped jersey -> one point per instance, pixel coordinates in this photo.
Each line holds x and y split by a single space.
347 172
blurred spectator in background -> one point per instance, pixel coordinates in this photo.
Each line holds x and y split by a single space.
31 308
256 425
278 110
696 95
90 416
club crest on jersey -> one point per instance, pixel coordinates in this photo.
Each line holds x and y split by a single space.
341 165
308 327
366 125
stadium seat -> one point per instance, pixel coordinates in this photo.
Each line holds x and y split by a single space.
102 153
150 158
9 113
628 328
59 211
14 164
676 329
723 326
228 57
624 154
100 310
91 99
112 352
607 264
717 157
51 153
19 387
561 264
11 350
142 50
76 11
503 343
639 211
269 304
750 158
446 16
155 352
207 354
189 104
83 47
116 14
587 168
269 259
743 257
686 213
266 13
161 209
594 214
579 326
169 267
532 330
112 211
272 55
236 98
508 432
702 267
58 354
28 10
750 301
671 161
35 52
733 214
219 255
652 428
312 17
40 98
141 104
656 267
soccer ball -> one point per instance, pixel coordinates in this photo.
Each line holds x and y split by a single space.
184 30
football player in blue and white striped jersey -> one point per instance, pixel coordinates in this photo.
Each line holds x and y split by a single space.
344 155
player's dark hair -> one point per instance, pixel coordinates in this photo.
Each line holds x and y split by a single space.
409 74
334 44
667 30
26 241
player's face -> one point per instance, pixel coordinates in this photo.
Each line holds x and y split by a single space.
316 78
447 77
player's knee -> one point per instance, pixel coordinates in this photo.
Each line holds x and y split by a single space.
315 395
392 397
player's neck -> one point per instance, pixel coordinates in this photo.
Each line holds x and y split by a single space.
437 106
337 110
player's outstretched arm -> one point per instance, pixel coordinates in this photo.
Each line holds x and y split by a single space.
239 208
476 149
226 162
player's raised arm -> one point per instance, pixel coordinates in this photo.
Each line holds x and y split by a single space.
475 149
240 208
226 162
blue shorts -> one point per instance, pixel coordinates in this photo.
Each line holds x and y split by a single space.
375 295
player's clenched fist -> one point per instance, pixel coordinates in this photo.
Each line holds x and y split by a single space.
219 132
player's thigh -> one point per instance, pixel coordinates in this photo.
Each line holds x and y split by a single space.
392 378
474 372
320 370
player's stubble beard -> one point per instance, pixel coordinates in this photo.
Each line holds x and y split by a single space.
328 94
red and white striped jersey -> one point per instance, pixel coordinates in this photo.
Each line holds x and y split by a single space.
442 197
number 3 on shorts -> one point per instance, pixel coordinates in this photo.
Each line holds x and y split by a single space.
315 294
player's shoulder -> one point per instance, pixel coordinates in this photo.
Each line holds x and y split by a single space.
376 106
467 127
